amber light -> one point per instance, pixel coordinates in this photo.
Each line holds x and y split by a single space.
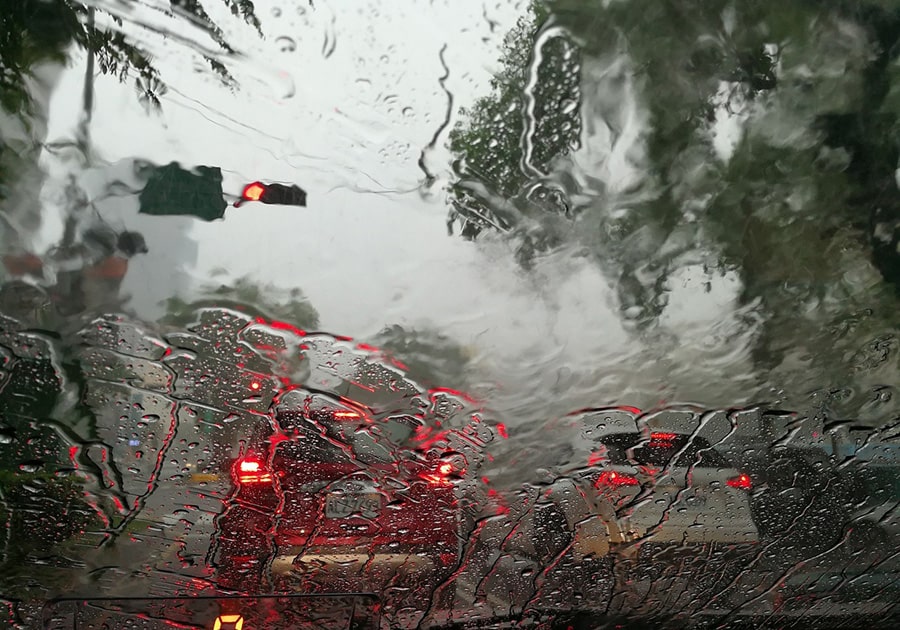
228 622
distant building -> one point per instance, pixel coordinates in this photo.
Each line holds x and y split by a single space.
22 140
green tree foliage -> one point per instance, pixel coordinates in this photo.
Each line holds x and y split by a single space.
431 358
508 140
34 31
31 32
804 208
247 295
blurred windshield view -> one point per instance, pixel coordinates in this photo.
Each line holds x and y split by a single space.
539 314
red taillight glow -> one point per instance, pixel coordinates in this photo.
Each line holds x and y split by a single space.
611 478
443 477
741 482
663 437
250 470
345 415
255 385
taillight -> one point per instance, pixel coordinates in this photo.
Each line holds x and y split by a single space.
662 440
613 479
741 482
445 475
251 470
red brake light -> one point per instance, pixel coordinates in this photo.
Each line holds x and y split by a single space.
345 415
613 479
254 385
250 470
663 437
444 476
741 482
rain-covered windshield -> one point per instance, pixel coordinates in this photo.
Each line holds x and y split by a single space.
544 313
669 450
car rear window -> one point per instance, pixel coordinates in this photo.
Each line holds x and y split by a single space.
660 449
369 441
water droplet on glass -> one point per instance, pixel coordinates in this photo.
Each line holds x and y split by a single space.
30 467
283 85
6 436
276 12
286 44
150 417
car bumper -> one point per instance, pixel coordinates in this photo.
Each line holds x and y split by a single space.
722 535
740 533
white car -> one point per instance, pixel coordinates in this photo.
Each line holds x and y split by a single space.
631 478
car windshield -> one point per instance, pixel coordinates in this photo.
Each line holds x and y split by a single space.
527 313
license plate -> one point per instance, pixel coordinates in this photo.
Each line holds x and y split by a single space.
204 477
344 505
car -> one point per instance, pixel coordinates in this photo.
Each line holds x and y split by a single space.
630 481
350 494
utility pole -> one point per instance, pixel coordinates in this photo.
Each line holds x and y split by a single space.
82 139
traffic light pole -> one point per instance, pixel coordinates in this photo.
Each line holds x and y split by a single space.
83 133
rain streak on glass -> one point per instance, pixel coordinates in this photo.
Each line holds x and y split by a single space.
519 314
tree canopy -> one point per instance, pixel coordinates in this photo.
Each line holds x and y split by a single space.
35 31
247 295
752 138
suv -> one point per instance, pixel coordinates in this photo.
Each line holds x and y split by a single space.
349 497
633 478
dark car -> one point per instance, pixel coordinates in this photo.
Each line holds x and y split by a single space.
342 498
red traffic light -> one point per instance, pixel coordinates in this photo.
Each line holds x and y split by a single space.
253 192
279 194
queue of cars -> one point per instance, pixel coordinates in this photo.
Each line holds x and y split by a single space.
329 470
646 478
345 498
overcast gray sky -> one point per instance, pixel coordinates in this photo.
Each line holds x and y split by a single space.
341 99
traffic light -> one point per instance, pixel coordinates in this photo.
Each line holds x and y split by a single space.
197 192
280 194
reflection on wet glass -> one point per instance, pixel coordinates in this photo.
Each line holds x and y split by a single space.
649 376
